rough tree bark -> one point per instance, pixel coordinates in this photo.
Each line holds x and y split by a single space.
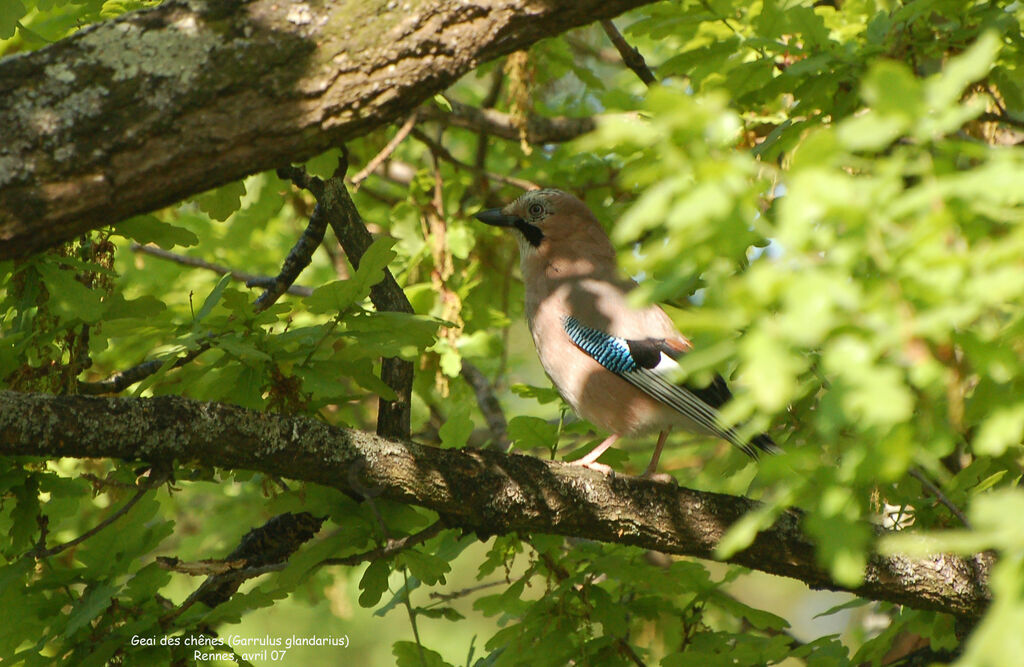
483 491
137 113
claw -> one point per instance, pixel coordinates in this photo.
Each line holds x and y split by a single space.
660 477
593 465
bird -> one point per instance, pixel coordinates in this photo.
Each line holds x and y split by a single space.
613 363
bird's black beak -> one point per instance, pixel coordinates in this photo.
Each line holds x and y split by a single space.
494 216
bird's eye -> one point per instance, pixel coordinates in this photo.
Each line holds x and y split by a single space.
536 210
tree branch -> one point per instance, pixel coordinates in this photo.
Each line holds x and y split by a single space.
440 151
147 485
250 279
336 205
539 129
480 490
489 406
630 54
389 548
385 152
133 114
271 544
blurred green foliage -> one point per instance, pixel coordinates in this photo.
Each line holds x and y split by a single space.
831 195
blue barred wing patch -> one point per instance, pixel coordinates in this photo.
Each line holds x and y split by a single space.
614 354
609 351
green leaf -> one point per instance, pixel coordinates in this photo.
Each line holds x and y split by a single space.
447 613
18 604
892 89
363 373
973 64
145 583
455 431
244 349
212 298
336 297
442 102
11 12
542 395
24 515
849 604
426 567
506 601
459 240
1004 427
411 654
988 482
842 545
113 550
449 359
144 307
871 131
532 432
762 620
221 202
69 298
389 334
150 229
89 606
771 369
374 583
324 165
742 533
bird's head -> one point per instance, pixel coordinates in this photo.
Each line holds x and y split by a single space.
552 225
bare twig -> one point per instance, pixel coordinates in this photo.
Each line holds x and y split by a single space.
630 55
298 259
454 595
489 406
389 548
235 576
123 379
42 552
917 474
482 140
261 550
385 152
250 279
539 129
1001 118
441 152
200 568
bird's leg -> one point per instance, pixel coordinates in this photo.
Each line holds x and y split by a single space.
590 460
653 465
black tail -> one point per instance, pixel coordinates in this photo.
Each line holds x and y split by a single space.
716 394
765 444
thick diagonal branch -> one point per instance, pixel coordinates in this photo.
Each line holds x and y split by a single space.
137 113
481 490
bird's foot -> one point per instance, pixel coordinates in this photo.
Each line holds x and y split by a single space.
593 465
590 459
660 477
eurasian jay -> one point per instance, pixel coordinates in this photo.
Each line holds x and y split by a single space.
608 359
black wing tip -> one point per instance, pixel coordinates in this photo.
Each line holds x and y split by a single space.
759 444
764 443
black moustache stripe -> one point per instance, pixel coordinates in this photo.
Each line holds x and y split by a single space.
532 234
